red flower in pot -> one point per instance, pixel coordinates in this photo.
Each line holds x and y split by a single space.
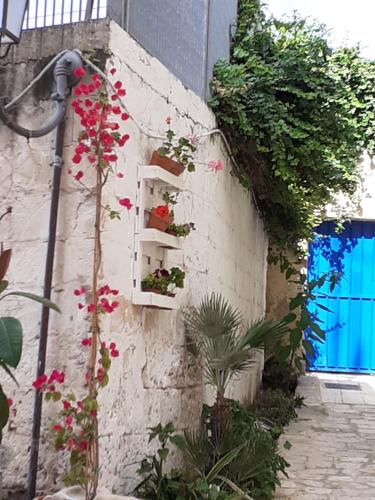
160 218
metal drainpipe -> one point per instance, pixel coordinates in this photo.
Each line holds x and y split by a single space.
37 414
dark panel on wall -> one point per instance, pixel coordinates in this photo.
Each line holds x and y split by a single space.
187 36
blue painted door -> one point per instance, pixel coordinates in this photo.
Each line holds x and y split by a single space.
350 327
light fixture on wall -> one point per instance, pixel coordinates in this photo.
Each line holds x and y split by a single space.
12 13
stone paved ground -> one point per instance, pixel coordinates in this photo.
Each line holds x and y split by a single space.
333 441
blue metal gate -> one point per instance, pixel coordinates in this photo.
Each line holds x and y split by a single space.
350 326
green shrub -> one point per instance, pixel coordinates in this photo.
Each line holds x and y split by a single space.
275 406
241 462
298 115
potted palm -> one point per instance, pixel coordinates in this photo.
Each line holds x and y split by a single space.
217 331
175 154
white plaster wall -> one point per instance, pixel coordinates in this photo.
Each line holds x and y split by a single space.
154 379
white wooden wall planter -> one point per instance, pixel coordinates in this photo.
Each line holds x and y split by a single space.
151 246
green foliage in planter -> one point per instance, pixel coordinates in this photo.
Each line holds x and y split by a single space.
298 115
11 334
165 281
275 406
242 464
181 230
180 149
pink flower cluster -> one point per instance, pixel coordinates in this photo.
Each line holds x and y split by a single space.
216 166
104 305
44 383
99 119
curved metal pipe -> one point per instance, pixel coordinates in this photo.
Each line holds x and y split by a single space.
64 80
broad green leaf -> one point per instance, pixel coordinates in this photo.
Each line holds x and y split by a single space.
4 262
287 445
321 306
10 341
289 318
223 462
3 285
7 369
296 302
4 411
37 298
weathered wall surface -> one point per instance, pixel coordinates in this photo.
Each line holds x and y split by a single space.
154 379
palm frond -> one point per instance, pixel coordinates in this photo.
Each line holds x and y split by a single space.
264 333
197 450
214 318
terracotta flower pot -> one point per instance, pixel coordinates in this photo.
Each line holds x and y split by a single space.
171 166
160 223
152 290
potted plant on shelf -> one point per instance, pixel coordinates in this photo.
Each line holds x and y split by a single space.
181 230
175 154
164 282
162 216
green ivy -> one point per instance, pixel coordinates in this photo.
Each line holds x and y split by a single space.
298 116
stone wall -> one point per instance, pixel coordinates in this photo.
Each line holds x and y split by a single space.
154 379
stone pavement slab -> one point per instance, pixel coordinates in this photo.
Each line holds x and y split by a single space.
333 441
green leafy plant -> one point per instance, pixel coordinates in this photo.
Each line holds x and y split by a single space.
304 326
11 334
170 199
180 149
243 466
181 230
217 331
298 115
275 406
164 281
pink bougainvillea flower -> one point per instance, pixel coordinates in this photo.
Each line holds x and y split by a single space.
114 353
80 306
77 158
66 405
91 308
79 72
9 402
69 420
114 97
118 85
121 92
56 376
79 291
40 381
112 71
125 202
86 342
120 175
69 171
125 116
78 175
57 427
168 120
216 166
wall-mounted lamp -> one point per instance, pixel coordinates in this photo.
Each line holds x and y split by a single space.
12 13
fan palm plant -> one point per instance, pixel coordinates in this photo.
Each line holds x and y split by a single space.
217 331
